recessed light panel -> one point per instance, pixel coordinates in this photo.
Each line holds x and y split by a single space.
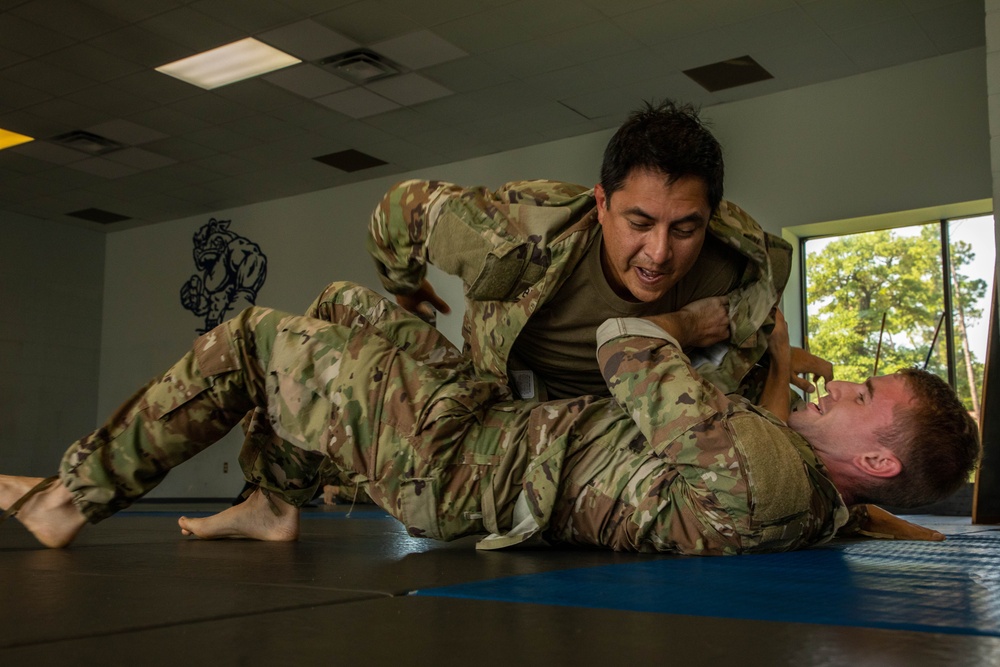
8 139
227 64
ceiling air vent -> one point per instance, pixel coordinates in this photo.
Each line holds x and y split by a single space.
361 66
87 142
350 160
728 74
98 215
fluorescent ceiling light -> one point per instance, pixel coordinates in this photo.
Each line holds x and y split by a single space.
227 64
8 139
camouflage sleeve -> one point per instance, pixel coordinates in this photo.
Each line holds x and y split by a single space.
750 304
399 231
651 378
702 505
494 241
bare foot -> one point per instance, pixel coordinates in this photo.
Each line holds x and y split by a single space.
50 515
252 519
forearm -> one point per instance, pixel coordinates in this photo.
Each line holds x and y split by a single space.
650 377
399 232
775 398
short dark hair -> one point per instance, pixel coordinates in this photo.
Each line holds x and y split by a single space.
936 440
668 138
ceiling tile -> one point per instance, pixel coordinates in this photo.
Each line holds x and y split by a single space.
307 80
712 46
957 26
258 95
403 122
466 74
140 159
372 21
784 27
419 49
29 38
250 17
169 121
140 45
357 103
837 15
74 19
621 6
181 149
68 113
562 49
667 21
211 107
103 167
221 140
111 100
131 10
308 40
878 45
49 152
126 132
409 89
737 11
193 29
227 165
360 135
158 87
519 21
14 95
48 78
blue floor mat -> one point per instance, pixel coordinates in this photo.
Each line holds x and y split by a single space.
950 587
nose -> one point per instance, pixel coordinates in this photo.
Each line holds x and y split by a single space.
658 247
835 387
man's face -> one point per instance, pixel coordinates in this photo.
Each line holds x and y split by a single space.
653 232
846 419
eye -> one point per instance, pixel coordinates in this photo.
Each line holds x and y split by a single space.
683 233
639 226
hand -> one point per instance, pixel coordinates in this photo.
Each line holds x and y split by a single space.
424 302
876 522
701 323
804 362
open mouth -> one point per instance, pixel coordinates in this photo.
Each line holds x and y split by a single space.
647 275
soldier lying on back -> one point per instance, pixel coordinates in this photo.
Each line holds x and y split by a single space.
669 463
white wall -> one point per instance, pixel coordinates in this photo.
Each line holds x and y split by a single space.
901 138
51 286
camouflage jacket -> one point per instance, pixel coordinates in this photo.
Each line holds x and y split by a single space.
515 247
672 464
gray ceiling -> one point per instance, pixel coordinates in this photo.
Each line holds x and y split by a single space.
480 76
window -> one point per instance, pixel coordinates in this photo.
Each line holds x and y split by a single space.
907 296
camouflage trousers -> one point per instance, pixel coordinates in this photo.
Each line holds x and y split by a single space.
296 474
391 406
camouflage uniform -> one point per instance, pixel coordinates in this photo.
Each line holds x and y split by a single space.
396 408
515 247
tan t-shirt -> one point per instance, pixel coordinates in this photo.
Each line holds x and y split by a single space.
558 342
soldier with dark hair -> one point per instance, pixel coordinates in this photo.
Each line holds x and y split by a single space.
380 399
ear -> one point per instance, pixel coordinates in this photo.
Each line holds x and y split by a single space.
881 463
602 197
